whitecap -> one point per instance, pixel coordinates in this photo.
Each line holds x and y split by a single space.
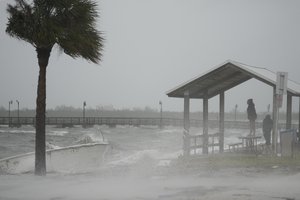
57 133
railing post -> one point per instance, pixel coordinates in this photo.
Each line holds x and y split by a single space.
289 112
221 122
186 124
205 125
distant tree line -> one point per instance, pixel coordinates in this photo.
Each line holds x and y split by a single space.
147 112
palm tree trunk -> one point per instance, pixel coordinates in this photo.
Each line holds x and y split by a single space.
43 55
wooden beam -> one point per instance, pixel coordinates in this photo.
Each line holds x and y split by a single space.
228 87
289 112
221 122
186 119
205 125
275 111
299 117
186 125
233 78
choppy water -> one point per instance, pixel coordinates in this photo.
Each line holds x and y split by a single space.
125 141
132 169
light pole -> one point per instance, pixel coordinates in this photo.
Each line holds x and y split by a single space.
18 113
84 104
9 120
160 103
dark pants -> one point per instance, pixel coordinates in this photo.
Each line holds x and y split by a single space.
252 127
267 136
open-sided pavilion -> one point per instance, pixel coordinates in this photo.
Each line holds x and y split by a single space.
222 78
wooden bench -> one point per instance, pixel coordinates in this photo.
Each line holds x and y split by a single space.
195 142
235 146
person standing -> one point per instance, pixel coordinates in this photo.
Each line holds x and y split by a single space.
251 112
267 128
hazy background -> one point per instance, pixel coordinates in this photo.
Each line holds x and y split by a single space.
153 46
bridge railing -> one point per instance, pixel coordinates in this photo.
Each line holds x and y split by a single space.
134 121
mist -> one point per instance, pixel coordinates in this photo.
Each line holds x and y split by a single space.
150 48
146 163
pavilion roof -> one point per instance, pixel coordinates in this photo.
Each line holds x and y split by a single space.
226 76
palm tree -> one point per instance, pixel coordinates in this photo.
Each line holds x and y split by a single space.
70 24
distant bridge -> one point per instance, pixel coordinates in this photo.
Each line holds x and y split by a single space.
114 121
90 121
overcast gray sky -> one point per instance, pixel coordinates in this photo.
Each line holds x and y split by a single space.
152 46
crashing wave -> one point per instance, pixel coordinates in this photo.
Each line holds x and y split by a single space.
51 146
86 139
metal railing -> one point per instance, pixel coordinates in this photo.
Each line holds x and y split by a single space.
134 121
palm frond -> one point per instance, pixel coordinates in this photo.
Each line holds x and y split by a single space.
69 23
20 22
78 36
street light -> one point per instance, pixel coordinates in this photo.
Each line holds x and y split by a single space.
160 103
84 105
9 120
18 113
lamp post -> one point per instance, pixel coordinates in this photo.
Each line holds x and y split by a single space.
9 120
160 103
84 105
18 113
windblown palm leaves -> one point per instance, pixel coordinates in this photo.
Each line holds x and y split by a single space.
68 23
43 23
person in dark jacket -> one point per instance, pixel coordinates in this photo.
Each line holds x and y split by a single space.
251 116
267 128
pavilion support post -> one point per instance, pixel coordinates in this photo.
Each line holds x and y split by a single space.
221 122
186 116
275 117
186 124
205 125
289 112
299 118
